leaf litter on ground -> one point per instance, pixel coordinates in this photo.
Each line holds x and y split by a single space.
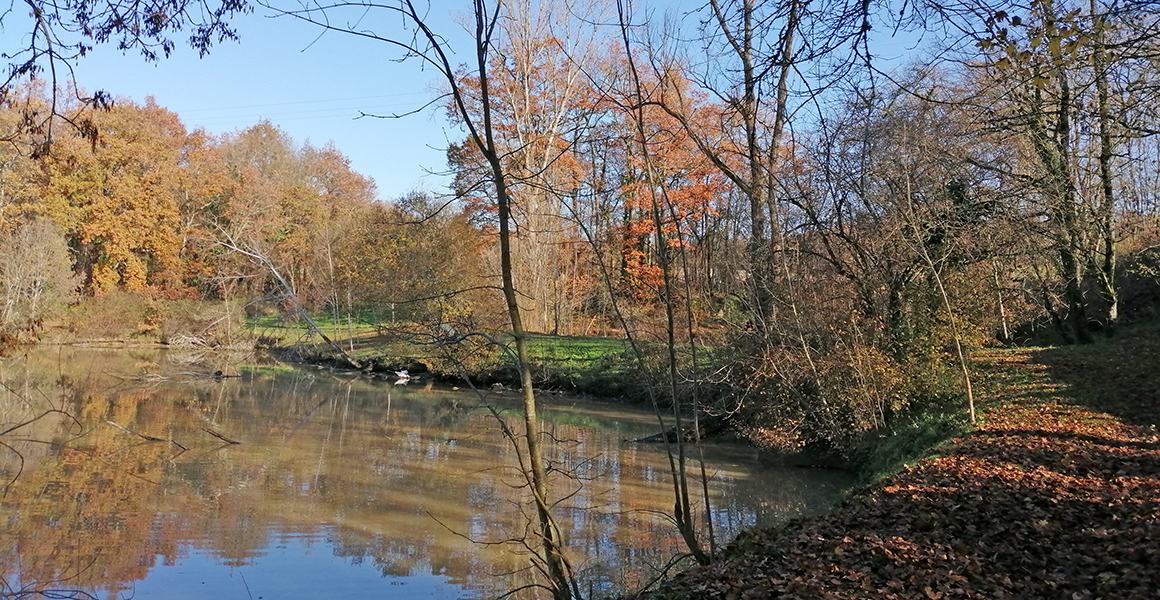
1056 495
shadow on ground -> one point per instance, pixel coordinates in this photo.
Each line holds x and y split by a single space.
1119 376
1057 495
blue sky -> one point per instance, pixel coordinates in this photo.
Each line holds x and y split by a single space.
310 86
313 86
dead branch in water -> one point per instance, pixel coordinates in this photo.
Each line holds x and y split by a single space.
219 436
146 436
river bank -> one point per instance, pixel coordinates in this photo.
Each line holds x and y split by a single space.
1055 495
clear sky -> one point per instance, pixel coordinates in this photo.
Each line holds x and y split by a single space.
313 86
310 86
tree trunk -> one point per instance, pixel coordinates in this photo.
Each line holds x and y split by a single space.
559 570
1054 150
1105 270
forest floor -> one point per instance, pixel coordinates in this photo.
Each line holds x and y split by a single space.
1055 495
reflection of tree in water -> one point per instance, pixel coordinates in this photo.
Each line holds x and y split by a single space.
394 478
83 518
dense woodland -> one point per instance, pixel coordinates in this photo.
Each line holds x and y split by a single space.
772 183
792 222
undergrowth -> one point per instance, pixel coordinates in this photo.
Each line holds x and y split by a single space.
914 436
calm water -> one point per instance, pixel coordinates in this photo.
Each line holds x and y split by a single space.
340 487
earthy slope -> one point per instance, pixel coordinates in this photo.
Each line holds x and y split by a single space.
1057 495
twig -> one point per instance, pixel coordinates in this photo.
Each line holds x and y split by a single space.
19 470
146 436
248 593
131 432
219 436
35 419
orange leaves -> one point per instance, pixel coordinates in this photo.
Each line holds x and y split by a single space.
678 189
1049 500
645 276
116 196
142 203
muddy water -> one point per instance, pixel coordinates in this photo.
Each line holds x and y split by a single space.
339 487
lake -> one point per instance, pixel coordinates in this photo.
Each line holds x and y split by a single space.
340 486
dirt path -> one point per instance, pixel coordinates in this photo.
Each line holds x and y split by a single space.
1051 498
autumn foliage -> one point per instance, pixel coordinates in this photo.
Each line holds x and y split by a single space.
144 207
833 267
1050 498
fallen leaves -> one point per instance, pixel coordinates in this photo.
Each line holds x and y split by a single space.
1049 499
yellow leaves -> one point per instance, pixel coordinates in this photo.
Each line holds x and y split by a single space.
1043 39
116 197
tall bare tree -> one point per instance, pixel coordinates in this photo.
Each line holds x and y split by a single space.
420 41
1073 81
759 53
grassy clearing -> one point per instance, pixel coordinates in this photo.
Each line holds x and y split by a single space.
570 356
285 329
581 354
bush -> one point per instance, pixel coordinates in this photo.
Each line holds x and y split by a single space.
200 323
116 315
832 398
912 436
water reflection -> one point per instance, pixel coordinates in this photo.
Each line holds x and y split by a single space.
348 487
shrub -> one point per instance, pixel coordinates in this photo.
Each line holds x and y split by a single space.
115 315
837 397
912 436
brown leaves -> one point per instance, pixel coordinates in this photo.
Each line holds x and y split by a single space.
1047 500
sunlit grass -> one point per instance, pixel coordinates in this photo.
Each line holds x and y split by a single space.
580 354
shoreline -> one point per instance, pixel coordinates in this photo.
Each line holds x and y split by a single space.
1048 498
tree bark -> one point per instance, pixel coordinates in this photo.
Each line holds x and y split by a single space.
1105 270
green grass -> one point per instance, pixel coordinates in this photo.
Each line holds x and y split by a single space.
580 354
289 329
914 437
603 366
269 370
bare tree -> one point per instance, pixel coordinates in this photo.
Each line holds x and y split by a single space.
682 507
758 53
1076 83
263 261
418 40
35 273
